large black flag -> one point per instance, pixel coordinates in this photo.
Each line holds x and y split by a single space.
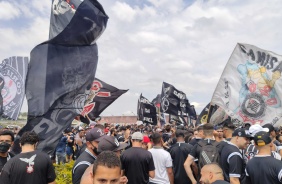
146 111
157 102
173 101
12 86
63 68
190 109
100 97
203 117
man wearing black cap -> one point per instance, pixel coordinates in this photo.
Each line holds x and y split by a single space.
110 143
263 168
179 152
277 145
231 158
93 137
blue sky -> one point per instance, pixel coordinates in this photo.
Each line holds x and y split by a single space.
185 43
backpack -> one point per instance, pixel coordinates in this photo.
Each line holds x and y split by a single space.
209 152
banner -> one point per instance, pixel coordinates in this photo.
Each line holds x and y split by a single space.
157 101
62 70
146 111
249 89
12 86
203 117
174 102
100 97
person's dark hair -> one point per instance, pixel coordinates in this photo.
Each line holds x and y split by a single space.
228 124
188 138
128 127
122 128
102 127
108 159
208 129
201 127
179 133
156 138
29 138
112 130
7 132
168 128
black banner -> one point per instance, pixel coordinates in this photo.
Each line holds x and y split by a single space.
146 111
62 69
12 86
157 102
100 97
203 117
173 101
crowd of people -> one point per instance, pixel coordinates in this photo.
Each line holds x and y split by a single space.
146 154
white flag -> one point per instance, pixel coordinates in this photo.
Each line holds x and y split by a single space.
250 87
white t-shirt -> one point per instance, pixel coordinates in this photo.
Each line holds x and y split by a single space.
162 160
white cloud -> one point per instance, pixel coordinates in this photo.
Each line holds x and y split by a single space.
8 11
123 11
187 46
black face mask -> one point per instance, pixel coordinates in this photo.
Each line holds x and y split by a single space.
4 147
95 150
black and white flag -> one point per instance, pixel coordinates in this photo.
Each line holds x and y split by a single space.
63 68
173 101
100 97
12 86
146 111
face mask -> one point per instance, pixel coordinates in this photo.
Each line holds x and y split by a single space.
4 147
95 150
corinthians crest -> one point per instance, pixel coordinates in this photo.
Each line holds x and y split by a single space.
12 77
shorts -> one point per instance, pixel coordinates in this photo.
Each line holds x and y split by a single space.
69 151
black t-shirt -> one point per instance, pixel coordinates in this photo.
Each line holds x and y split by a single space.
194 141
264 170
232 162
220 182
120 137
136 163
179 152
81 164
197 148
31 167
3 160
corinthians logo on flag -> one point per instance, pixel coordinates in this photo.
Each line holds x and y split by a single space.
249 89
12 76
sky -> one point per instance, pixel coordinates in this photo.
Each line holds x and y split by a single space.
186 43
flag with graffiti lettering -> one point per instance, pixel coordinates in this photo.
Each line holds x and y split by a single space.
173 101
12 86
100 97
249 89
146 111
63 68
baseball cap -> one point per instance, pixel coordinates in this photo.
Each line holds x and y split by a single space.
68 130
262 138
137 136
241 132
92 124
146 139
139 123
159 130
256 128
269 126
95 134
110 143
